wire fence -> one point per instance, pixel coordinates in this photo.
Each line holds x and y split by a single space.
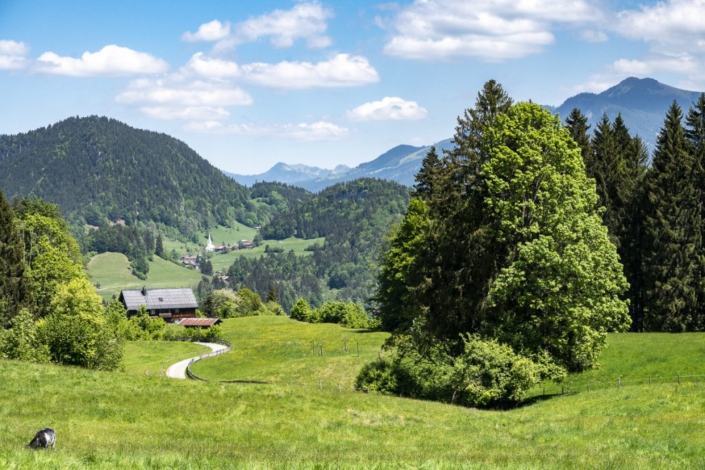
617 382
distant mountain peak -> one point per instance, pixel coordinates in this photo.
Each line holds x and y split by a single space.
642 102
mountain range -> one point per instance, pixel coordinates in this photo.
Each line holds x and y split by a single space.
642 102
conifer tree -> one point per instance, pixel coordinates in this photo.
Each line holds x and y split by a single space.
426 178
695 133
159 247
577 125
671 229
13 282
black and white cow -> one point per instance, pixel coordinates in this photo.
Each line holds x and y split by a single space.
44 438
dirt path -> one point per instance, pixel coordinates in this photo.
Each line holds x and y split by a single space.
178 370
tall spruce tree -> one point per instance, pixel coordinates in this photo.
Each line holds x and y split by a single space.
13 282
671 229
695 133
430 171
577 124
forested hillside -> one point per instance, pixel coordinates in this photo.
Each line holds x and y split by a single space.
354 218
98 169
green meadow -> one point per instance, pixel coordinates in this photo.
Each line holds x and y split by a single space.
134 420
111 271
153 358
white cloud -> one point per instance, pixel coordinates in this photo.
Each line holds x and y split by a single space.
212 68
684 63
13 55
305 21
316 131
674 21
492 30
204 113
342 70
110 60
212 31
591 35
303 132
389 108
180 92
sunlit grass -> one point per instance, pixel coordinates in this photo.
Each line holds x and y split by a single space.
284 351
153 358
112 273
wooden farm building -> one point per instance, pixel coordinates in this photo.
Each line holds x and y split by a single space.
169 304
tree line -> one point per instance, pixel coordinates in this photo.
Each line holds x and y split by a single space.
529 241
654 213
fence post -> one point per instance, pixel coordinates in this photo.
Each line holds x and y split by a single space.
619 381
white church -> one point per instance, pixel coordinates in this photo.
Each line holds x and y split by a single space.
213 248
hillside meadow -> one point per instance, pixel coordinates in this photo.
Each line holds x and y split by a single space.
130 420
111 271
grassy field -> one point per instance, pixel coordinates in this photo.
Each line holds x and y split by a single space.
118 420
634 359
221 236
111 271
286 351
153 358
221 262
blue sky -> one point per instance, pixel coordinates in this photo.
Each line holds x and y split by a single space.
248 84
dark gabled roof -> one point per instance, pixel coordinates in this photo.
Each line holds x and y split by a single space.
156 299
200 321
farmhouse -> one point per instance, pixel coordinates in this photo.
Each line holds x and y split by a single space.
200 322
169 304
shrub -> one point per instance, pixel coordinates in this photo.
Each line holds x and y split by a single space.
301 311
222 303
487 373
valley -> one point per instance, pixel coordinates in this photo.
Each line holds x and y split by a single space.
140 421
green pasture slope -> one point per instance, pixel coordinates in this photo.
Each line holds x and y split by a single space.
286 351
153 358
230 237
111 271
117 420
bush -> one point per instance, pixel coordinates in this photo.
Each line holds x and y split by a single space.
487 373
274 308
78 331
301 311
222 303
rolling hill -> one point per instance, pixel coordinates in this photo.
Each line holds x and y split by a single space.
98 169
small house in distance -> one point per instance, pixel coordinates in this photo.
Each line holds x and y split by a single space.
200 322
169 304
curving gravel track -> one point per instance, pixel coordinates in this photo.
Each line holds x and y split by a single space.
178 370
